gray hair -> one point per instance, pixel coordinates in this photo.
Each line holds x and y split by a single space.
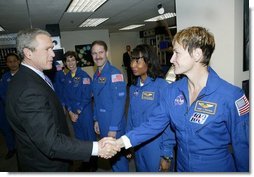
26 39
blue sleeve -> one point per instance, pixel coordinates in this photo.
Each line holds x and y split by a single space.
239 117
1 89
59 84
118 89
157 122
3 86
168 142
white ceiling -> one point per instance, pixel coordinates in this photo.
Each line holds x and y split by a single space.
14 14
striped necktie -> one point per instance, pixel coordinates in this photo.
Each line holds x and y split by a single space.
49 82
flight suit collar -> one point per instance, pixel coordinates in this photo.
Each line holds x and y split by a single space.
147 81
213 82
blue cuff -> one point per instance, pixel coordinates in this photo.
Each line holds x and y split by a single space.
112 128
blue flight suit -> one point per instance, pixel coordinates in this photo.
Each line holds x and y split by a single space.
218 117
143 99
4 124
109 91
58 84
78 96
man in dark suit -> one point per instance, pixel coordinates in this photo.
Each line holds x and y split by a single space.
36 115
127 64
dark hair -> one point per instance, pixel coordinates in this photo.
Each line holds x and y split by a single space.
12 54
102 43
148 52
70 54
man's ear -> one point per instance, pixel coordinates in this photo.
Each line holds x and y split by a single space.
27 53
107 54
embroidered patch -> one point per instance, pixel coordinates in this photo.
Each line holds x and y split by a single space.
121 94
86 81
102 80
102 110
198 118
206 107
179 100
117 78
148 95
58 67
242 105
135 93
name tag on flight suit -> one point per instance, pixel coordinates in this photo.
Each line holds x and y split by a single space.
148 95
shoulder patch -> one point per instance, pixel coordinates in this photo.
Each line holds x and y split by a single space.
242 105
86 81
117 78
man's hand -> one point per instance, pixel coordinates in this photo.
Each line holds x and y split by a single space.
107 147
96 128
164 165
73 116
112 134
120 143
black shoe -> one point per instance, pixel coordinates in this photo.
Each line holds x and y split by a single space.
10 154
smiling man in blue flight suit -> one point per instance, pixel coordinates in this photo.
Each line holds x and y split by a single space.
109 91
207 113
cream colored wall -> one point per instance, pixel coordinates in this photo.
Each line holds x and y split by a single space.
224 18
118 42
71 38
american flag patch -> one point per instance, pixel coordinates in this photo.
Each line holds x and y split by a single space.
58 67
242 105
86 81
117 78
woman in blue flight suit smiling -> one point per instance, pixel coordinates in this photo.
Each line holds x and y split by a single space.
207 113
144 97
78 101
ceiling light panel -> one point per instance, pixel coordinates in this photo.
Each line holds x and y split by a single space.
132 27
92 22
161 17
85 5
1 28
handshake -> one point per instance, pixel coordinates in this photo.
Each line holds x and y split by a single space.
108 147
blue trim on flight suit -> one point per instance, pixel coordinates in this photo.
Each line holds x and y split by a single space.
143 99
109 106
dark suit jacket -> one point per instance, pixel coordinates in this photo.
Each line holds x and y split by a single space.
37 117
127 60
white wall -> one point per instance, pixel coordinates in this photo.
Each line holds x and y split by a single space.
224 18
71 38
118 43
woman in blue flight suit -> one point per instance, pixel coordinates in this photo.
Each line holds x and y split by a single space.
207 113
13 63
144 97
109 91
78 101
